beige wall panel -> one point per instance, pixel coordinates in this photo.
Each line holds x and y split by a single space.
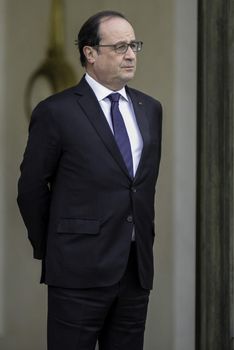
2 158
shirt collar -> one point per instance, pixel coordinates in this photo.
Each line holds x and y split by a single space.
101 91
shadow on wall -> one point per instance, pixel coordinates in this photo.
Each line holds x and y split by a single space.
55 73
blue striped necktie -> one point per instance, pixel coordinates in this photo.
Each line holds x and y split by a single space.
120 132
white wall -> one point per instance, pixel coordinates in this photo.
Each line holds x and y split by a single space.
167 71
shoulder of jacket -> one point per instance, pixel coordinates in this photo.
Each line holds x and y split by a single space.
142 95
58 97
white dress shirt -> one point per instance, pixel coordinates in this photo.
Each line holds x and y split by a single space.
126 109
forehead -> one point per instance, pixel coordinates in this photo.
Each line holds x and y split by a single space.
116 29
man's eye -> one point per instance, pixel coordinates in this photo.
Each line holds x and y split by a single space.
134 46
121 47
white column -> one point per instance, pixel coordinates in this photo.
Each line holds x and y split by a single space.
184 179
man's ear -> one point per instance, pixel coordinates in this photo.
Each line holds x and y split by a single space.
90 54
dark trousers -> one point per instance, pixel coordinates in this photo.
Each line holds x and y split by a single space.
113 316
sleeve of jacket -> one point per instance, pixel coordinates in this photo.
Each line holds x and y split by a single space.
160 129
38 167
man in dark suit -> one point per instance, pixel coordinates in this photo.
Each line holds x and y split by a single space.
86 194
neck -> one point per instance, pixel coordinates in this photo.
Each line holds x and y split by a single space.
110 86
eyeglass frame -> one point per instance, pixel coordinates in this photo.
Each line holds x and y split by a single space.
115 46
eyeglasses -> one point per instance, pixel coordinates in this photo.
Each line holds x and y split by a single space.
122 48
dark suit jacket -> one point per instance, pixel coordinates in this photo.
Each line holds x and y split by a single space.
75 195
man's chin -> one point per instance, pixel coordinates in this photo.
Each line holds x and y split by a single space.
128 76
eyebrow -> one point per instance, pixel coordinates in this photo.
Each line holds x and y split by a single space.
124 42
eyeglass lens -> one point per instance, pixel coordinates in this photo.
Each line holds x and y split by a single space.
135 46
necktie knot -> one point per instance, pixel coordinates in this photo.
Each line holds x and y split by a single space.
114 97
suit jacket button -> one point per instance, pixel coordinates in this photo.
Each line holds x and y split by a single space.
130 218
133 189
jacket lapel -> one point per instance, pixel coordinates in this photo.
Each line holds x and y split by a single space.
90 106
